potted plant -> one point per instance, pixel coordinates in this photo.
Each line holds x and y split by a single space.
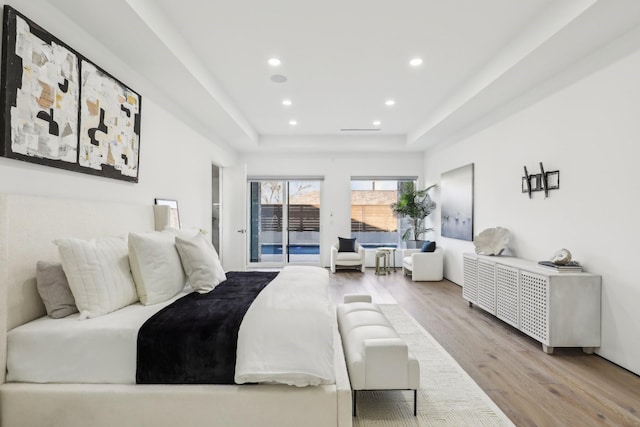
417 205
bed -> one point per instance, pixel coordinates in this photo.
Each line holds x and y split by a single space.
28 225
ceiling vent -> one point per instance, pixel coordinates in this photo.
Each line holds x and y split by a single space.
278 78
359 130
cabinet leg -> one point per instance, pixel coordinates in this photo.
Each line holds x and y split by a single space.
547 349
588 350
469 303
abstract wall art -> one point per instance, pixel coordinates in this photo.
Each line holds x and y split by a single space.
109 123
457 203
61 110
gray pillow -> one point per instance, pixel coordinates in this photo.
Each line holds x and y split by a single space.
54 289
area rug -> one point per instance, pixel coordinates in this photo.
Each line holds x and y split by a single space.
447 395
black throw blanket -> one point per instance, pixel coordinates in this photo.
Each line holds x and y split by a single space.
194 339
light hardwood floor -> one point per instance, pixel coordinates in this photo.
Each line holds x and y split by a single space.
568 388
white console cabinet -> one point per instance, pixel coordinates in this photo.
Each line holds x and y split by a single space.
557 309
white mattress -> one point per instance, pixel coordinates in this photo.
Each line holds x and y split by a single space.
100 350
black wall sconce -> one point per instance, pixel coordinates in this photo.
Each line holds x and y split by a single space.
541 181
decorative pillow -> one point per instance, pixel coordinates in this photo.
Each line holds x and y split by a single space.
346 245
98 273
201 263
155 266
428 246
54 290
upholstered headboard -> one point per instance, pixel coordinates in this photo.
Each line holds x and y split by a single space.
28 226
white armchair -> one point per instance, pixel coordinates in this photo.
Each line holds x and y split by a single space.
347 259
423 266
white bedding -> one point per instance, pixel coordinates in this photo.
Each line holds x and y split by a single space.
287 336
100 350
287 333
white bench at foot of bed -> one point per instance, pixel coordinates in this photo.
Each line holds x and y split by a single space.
377 358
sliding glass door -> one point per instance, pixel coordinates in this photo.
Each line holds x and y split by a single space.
284 222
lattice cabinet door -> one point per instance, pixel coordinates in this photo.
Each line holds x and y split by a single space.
534 305
487 286
507 295
470 277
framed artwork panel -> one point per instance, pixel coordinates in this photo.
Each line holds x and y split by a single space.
109 124
40 94
457 203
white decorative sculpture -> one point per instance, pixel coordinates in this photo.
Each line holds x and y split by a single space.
492 241
561 257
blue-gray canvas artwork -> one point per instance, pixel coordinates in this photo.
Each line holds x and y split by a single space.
457 203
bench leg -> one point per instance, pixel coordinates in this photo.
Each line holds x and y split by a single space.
354 402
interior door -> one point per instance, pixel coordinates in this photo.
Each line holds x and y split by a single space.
215 207
234 218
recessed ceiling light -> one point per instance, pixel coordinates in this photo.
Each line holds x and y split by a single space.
293 122
286 102
389 102
274 62
376 123
415 62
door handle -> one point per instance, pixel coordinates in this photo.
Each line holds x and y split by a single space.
242 231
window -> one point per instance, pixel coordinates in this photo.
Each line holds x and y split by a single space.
373 222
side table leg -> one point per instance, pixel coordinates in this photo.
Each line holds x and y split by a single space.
393 254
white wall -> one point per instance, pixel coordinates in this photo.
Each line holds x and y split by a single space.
175 161
337 170
590 132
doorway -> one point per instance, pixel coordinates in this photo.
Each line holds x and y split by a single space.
215 208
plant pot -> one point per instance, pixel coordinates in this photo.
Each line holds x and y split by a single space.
414 244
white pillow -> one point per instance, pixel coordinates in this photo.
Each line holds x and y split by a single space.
98 273
155 266
201 263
